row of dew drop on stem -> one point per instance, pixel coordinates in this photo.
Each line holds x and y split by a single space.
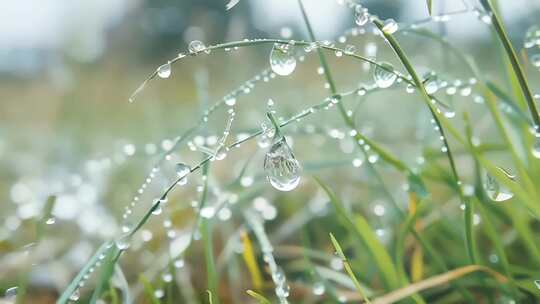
282 64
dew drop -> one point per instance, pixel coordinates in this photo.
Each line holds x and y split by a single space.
158 210
384 75
51 220
122 243
179 263
221 153
182 170
318 288
159 293
390 26
361 17
196 46
164 71
167 277
11 293
208 212
494 190
282 60
75 295
230 101
431 85
282 168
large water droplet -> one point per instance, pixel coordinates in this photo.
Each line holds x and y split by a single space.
182 170
390 26
494 190
431 83
122 243
282 168
196 46
361 16
384 75
51 220
282 60
164 71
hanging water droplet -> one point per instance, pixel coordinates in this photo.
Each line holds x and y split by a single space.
11 293
123 242
384 75
157 210
390 26
51 220
196 46
282 168
75 295
431 84
221 153
164 71
495 191
318 288
182 170
361 16
282 60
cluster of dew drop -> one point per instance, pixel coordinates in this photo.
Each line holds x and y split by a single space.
282 168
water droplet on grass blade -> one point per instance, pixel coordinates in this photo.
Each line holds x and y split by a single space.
318 288
196 46
164 71
11 293
282 60
182 170
536 145
390 26
75 295
496 191
384 75
282 168
51 220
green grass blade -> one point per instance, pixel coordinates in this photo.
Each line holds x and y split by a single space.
363 232
348 267
64 298
512 57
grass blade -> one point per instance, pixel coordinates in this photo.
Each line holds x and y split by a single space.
348 267
516 67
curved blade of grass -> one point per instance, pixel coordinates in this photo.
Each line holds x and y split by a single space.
106 273
469 236
64 298
362 231
348 268
434 281
261 299
516 67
